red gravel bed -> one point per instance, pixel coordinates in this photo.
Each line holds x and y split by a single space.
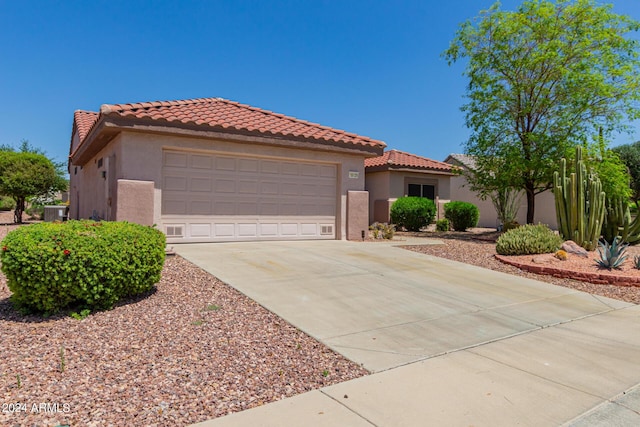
478 248
192 350
578 267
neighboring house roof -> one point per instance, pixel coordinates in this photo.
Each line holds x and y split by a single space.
219 115
395 159
464 160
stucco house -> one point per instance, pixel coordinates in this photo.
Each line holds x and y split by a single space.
396 174
207 170
545 211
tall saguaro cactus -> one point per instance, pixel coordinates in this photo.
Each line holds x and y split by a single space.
580 203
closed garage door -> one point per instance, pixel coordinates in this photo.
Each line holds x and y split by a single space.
214 197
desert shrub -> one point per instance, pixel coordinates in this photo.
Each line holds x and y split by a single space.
413 213
462 215
50 266
442 225
528 240
35 210
7 203
510 225
382 230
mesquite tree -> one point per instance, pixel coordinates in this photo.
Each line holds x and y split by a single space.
542 80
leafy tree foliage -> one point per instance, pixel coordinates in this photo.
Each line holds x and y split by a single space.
541 80
630 156
28 172
613 174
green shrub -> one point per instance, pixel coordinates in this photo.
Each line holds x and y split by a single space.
413 213
51 266
443 225
528 240
7 203
462 215
382 230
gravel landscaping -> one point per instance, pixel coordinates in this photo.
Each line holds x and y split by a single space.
477 247
192 350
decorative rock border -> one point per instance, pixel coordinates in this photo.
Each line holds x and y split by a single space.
584 276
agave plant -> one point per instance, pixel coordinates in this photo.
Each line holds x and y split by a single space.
611 255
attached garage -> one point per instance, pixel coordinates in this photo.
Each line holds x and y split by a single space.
210 170
212 197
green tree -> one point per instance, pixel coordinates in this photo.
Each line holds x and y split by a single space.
28 173
613 174
630 156
610 169
541 80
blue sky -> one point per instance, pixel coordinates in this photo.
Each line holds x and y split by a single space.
369 67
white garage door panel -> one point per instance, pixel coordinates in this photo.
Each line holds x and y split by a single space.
208 197
200 230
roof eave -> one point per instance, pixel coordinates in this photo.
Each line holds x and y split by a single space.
397 168
109 125
102 132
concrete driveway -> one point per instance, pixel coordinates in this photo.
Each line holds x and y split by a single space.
383 306
451 344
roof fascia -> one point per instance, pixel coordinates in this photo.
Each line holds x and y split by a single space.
391 168
195 131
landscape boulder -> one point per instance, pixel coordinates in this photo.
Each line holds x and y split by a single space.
572 247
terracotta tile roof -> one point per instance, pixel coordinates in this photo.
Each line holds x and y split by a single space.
229 115
406 160
84 121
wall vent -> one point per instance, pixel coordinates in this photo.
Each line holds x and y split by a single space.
174 231
326 229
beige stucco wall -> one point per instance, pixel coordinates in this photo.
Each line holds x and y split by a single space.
377 184
385 187
545 210
139 157
90 190
133 197
357 215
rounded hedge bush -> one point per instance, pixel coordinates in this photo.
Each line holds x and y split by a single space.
528 240
51 266
442 225
462 215
413 213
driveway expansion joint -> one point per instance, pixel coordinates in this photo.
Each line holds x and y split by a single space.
348 408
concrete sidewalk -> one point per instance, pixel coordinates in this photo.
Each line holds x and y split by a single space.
451 344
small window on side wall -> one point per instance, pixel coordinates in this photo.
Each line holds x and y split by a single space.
422 190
